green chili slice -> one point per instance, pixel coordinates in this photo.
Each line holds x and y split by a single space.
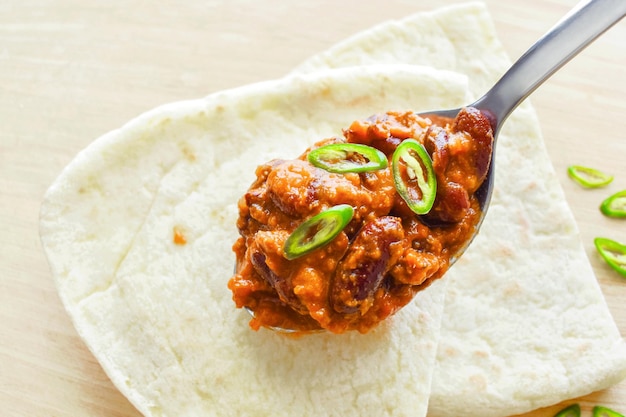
571 411
599 411
589 177
614 253
347 157
317 231
414 176
615 205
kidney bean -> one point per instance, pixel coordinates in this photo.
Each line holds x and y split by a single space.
281 284
472 121
375 249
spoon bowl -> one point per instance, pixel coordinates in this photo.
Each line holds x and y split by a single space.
576 30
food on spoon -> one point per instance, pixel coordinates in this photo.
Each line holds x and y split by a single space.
346 234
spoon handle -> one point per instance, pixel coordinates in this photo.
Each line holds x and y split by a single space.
581 26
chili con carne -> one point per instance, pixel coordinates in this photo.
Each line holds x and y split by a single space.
340 251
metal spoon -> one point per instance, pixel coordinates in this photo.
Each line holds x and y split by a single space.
581 26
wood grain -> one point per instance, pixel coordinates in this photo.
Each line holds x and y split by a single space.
70 70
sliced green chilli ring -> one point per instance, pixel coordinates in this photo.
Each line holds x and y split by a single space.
614 253
615 205
317 231
599 411
589 177
347 157
570 411
414 176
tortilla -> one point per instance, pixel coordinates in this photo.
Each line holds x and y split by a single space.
525 323
157 314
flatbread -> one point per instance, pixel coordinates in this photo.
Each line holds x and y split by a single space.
524 326
158 315
525 323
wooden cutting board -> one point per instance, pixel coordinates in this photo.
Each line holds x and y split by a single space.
70 70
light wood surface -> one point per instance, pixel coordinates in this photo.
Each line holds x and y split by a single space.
70 70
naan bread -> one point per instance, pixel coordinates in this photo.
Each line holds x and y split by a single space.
158 315
525 323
